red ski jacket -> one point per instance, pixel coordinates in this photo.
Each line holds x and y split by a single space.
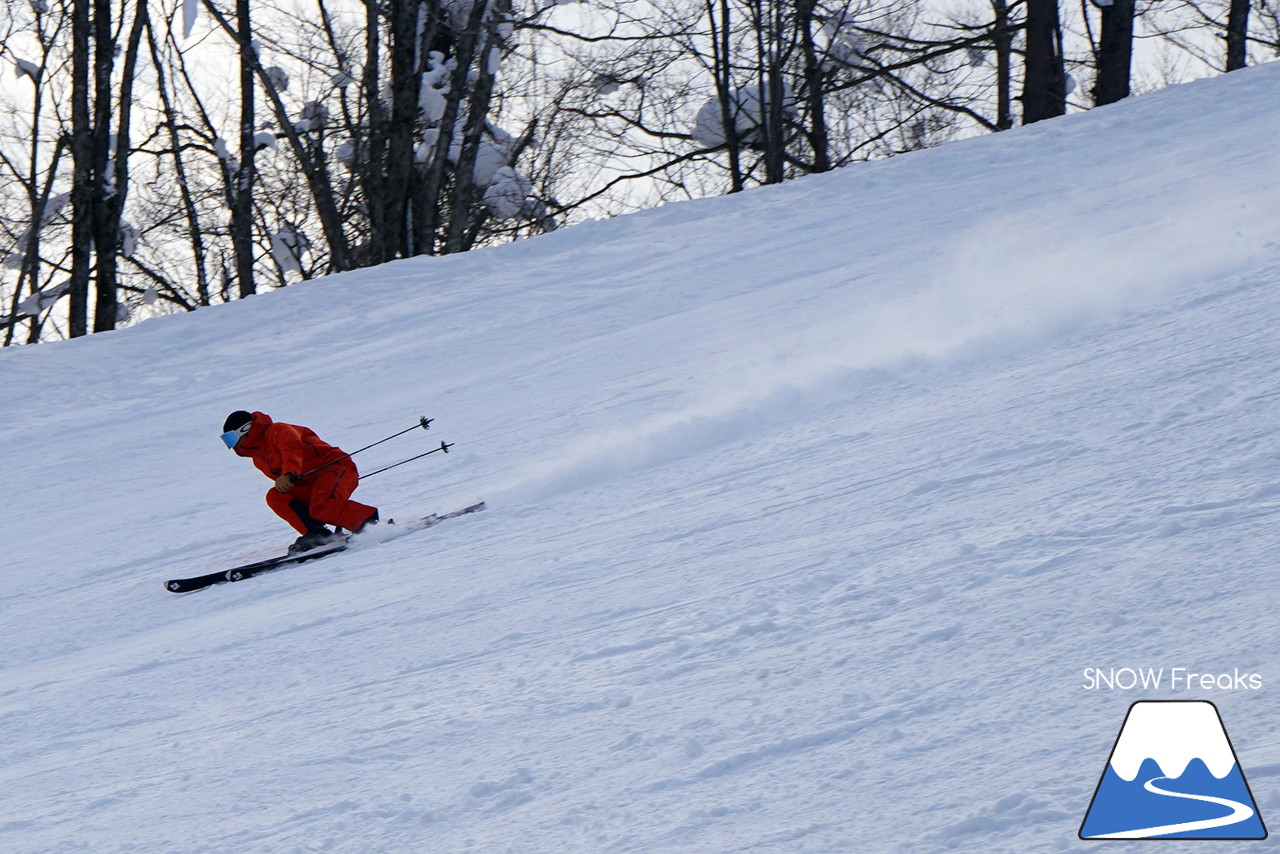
277 448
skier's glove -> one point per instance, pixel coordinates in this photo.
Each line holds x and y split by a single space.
285 482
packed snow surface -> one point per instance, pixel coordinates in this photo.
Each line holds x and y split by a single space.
808 509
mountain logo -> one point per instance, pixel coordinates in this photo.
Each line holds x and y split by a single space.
1173 774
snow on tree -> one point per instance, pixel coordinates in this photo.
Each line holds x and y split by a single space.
190 12
314 116
53 208
846 46
345 153
422 154
606 84
129 237
434 94
507 195
23 68
287 246
493 153
747 110
40 300
279 78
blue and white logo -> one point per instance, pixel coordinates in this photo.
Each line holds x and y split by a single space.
1173 775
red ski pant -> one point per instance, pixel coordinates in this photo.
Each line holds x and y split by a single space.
325 496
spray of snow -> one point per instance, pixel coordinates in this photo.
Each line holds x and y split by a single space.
1007 283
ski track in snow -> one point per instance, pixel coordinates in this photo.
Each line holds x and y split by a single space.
806 510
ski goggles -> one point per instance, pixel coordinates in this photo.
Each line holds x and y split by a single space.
232 437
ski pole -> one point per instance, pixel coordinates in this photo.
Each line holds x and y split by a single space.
443 447
423 421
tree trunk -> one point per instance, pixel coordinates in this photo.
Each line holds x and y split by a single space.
729 106
1044 91
465 194
370 152
402 131
1003 42
430 220
246 174
1115 53
103 174
113 183
817 133
771 92
82 194
1238 35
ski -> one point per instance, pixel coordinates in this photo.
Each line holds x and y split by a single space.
248 570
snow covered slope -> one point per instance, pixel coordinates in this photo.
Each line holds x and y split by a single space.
807 510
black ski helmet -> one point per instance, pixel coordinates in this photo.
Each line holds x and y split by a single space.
236 420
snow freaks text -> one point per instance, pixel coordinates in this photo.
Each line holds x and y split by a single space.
1168 678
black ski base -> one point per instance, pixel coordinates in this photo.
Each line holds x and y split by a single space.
248 570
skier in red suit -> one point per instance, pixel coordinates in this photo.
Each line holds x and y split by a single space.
308 501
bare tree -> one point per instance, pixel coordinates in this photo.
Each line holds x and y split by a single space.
1216 33
30 157
314 171
172 132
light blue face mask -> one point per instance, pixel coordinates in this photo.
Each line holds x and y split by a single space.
233 437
